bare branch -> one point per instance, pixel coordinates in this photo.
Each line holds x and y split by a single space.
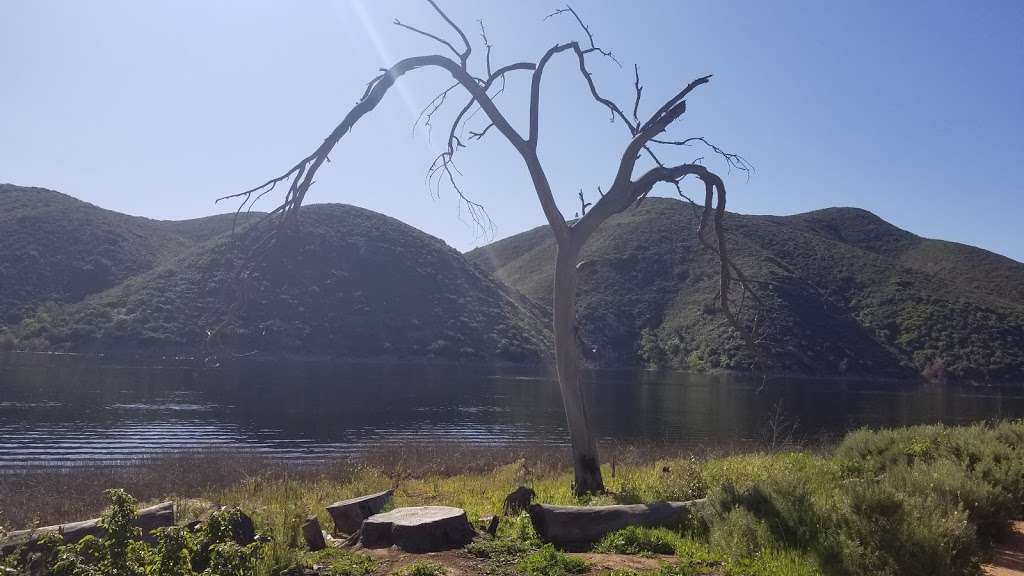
733 161
401 24
583 204
464 56
430 109
487 44
639 90
586 30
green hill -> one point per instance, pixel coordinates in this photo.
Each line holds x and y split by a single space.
54 248
352 283
845 293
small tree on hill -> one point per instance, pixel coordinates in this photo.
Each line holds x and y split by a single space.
627 188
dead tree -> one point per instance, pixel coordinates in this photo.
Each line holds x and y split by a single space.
627 189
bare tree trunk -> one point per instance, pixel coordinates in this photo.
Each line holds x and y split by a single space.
567 362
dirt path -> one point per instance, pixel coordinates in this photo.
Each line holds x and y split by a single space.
1008 559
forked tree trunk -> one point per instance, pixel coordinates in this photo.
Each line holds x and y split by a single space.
567 363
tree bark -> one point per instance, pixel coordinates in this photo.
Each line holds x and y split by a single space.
567 363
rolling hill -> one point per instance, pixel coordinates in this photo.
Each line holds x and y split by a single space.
351 283
54 248
844 293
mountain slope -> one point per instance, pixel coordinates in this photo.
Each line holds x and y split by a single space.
844 293
352 283
54 248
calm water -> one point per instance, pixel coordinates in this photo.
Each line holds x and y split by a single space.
65 411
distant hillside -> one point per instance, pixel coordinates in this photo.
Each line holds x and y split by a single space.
845 292
54 248
352 284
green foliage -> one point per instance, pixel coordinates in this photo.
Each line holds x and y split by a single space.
550 562
515 538
638 540
120 552
981 466
891 532
391 291
847 294
422 569
58 249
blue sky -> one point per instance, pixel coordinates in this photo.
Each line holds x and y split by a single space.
912 110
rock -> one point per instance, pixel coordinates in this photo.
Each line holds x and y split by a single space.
348 515
418 529
577 527
518 501
313 535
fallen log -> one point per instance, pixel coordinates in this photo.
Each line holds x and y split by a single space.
418 529
576 527
148 519
348 515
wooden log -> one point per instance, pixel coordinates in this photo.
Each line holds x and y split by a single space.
576 527
348 515
313 535
148 519
418 529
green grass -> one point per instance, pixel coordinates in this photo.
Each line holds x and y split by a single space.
550 562
911 501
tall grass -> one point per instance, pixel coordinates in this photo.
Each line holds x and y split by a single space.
925 500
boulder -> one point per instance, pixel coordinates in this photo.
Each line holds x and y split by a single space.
348 515
418 529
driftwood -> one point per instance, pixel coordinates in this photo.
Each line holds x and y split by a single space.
418 529
148 519
313 535
348 515
576 527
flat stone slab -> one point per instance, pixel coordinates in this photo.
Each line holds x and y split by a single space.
348 515
418 529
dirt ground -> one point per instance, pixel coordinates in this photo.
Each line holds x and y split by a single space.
1008 559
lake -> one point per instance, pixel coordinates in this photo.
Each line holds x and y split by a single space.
75 411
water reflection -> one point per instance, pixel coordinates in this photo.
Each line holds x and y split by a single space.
78 411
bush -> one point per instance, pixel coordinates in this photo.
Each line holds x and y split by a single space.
980 466
890 532
740 534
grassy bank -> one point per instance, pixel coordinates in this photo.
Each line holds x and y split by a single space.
910 501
